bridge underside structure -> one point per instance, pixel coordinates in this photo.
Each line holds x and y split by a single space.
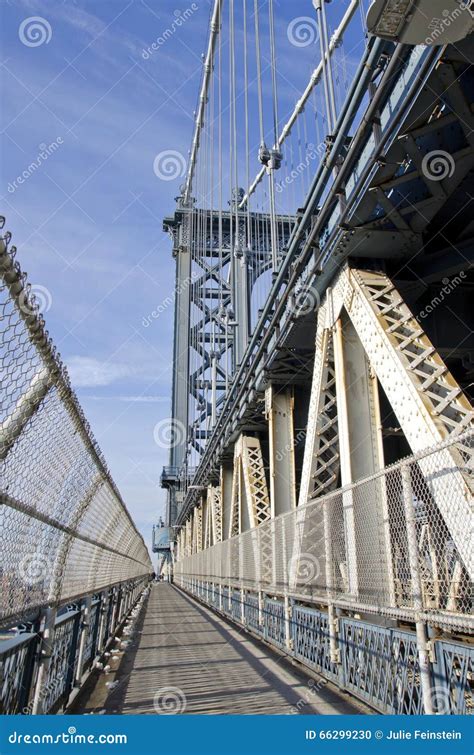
329 506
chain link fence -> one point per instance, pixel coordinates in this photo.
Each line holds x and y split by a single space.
379 545
65 531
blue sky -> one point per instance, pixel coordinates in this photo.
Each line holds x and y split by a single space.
88 221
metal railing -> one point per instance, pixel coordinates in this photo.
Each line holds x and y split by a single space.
41 674
399 561
304 580
66 535
64 529
378 664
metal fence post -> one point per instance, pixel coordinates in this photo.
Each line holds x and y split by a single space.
421 635
288 615
104 610
29 668
84 636
45 651
334 651
72 657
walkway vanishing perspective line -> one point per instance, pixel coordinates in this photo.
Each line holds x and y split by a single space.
186 659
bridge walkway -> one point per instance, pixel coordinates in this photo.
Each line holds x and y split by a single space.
185 658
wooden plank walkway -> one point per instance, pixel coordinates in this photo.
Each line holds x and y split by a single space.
184 658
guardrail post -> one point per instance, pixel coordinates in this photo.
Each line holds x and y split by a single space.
24 705
72 655
129 601
421 635
84 636
260 609
117 603
332 621
288 614
45 653
104 610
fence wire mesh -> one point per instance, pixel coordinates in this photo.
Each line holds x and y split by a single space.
64 528
379 545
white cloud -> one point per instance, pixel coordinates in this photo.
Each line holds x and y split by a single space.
87 372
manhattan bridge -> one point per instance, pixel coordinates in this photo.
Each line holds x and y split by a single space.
320 476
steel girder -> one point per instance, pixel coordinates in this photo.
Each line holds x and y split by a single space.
250 504
424 396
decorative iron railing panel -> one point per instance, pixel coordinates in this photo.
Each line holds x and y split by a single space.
377 664
16 656
274 621
32 680
251 612
311 643
380 665
453 677
91 643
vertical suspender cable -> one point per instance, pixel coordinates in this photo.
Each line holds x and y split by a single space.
329 65
272 163
322 46
259 74
247 145
274 75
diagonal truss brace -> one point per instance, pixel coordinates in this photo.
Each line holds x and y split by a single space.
426 399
